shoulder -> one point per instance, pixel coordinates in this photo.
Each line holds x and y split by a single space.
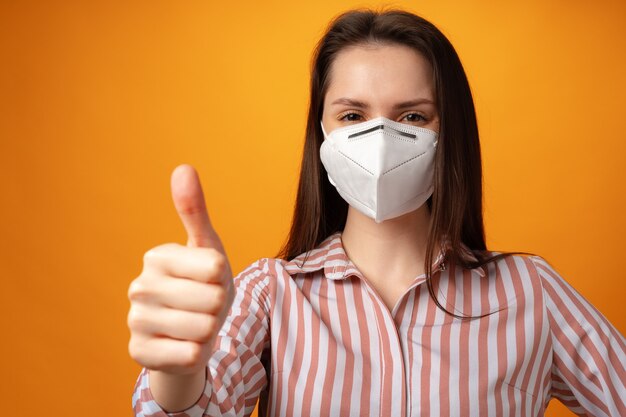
533 275
263 273
268 272
518 275
540 270
262 266
559 296
531 266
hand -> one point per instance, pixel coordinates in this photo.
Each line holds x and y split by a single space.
181 298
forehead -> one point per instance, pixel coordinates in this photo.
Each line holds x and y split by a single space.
381 72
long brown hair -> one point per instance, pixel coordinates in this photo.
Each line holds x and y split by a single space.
456 202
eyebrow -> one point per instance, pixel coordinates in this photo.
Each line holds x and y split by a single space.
363 105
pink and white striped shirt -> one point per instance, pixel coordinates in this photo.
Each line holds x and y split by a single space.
315 339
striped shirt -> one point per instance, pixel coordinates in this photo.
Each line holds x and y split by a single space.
314 338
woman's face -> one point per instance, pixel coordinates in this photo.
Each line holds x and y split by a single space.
368 81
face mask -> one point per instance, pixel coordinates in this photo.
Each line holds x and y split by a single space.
382 168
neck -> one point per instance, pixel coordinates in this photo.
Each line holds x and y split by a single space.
393 250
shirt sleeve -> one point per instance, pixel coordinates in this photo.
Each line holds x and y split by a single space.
589 354
236 374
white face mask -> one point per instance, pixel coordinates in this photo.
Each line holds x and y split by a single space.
382 168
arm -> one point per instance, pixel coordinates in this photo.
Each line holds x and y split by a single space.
177 392
589 354
239 346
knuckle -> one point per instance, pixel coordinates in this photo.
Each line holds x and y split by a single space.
207 328
230 293
150 255
216 264
193 356
156 253
136 320
219 263
135 350
137 290
228 297
129 322
219 297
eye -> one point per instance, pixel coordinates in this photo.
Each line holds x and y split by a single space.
350 117
414 118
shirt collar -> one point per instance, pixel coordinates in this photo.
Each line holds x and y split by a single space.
331 257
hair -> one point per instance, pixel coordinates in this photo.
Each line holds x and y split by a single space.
456 202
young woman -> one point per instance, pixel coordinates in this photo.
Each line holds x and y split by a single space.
384 300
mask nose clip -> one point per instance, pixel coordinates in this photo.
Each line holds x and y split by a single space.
382 126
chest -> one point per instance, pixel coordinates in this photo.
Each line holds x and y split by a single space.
389 295
341 347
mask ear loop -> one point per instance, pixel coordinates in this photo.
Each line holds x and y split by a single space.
323 131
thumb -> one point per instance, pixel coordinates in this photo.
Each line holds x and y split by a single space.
189 202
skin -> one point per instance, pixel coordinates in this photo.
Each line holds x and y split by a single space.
180 301
181 298
380 77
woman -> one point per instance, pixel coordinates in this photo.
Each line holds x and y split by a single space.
384 300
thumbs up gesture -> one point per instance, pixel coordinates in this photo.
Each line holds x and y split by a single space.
181 298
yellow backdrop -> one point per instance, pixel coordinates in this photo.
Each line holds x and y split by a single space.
99 101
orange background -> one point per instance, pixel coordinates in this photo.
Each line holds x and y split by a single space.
99 101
